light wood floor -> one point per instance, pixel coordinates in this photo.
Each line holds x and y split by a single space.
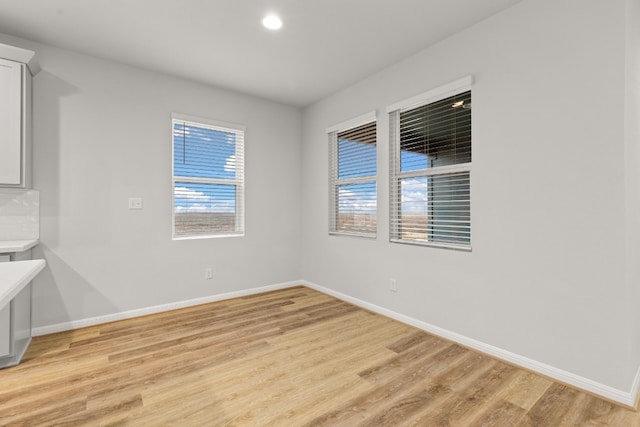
294 357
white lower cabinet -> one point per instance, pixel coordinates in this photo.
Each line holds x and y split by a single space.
5 323
5 331
21 320
15 320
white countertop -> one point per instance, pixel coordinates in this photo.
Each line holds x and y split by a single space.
16 275
17 245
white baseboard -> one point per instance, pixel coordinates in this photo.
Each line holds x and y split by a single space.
76 324
635 388
627 398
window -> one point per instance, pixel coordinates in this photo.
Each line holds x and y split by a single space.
208 178
352 177
430 169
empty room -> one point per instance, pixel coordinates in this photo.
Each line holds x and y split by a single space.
319 213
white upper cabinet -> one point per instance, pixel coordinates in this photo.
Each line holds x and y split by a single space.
10 122
17 66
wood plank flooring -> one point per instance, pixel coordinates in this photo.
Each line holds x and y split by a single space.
293 357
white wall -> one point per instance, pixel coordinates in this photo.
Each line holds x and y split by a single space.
19 214
555 190
546 278
102 134
632 161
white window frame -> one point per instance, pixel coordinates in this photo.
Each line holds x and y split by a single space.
238 181
335 182
396 175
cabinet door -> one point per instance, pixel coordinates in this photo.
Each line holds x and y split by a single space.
5 330
10 122
5 322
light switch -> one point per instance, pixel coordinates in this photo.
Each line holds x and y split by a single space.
135 202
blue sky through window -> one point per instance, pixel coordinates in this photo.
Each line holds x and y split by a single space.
414 192
356 159
192 197
357 198
412 161
201 152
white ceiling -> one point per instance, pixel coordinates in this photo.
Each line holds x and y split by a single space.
324 45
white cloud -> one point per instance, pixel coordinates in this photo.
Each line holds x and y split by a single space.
188 200
197 207
349 201
414 195
181 132
230 163
189 194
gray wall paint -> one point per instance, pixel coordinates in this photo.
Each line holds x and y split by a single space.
546 277
554 190
632 162
102 134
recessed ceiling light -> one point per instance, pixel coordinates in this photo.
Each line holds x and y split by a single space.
457 104
272 22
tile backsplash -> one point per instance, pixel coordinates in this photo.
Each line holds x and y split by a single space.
19 214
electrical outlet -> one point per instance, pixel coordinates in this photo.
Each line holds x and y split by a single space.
393 287
208 273
135 202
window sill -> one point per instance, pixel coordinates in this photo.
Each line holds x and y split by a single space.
207 236
360 235
463 248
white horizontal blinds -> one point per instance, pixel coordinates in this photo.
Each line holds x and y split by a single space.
436 134
333 177
208 179
394 170
430 172
352 185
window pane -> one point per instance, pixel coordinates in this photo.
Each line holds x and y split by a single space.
203 209
357 207
352 180
435 209
357 152
203 152
436 134
208 179
413 209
